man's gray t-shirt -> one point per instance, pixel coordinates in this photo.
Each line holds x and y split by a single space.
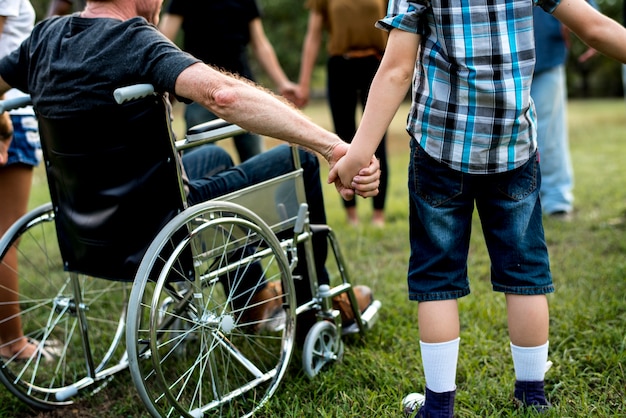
71 64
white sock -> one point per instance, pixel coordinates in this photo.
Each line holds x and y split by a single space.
530 362
439 361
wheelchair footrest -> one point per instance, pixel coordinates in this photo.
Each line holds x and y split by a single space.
368 318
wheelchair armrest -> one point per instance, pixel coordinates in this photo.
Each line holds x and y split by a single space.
208 132
16 103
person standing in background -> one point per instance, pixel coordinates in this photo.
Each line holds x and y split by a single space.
19 147
65 7
549 92
355 48
219 33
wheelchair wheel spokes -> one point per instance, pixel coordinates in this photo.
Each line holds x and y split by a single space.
197 347
47 313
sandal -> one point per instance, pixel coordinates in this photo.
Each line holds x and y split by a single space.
48 350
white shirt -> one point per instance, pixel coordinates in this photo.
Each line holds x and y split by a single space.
20 20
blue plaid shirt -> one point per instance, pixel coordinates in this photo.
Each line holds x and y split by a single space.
471 89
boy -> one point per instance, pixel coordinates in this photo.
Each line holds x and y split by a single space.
474 144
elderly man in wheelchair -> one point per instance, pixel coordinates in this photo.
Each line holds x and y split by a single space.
124 209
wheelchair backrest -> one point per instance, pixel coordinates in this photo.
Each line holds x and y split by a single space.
114 182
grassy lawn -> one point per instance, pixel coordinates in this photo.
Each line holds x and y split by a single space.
588 309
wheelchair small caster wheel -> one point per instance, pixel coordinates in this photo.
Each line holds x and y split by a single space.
322 346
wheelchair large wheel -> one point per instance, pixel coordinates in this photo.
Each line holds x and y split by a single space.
201 341
46 307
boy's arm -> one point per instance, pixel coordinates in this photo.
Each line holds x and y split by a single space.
594 28
255 109
388 89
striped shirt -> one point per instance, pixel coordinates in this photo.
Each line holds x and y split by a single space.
471 89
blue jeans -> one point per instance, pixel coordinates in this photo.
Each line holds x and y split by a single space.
248 144
212 173
441 209
549 92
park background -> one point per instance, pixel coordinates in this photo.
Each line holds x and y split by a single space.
285 25
588 257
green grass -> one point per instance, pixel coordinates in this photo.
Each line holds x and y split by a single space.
588 309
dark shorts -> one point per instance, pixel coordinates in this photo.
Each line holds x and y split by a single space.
442 203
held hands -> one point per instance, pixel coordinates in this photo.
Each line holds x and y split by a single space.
293 93
365 183
296 94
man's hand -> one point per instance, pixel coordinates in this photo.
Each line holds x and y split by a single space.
364 184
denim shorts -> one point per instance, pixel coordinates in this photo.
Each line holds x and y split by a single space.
25 147
442 203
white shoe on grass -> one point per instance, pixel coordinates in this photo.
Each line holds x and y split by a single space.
411 403
548 365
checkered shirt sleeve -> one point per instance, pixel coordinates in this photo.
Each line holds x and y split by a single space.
471 106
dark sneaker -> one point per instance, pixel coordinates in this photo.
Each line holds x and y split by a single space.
265 308
562 215
531 395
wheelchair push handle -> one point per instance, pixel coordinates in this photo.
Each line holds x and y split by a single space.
136 91
121 95
15 103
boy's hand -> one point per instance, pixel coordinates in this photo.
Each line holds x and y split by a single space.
365 183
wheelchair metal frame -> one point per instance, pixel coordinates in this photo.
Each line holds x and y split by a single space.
188 346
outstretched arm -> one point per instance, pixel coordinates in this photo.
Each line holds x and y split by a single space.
597 30
310 50
258 110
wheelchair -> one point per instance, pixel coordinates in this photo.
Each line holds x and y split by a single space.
118 272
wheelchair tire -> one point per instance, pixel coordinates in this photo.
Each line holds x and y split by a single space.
47 312
192 349
322 347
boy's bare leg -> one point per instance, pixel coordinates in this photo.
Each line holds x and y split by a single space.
528 318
